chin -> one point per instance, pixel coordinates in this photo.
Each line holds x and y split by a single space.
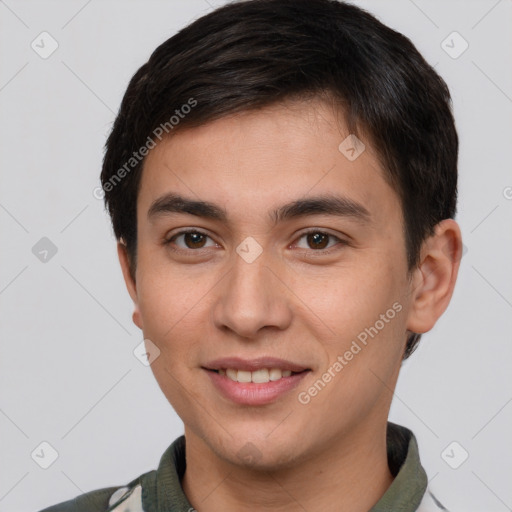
260 454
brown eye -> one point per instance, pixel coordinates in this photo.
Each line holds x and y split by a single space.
190 239
194 240
320 241
317 240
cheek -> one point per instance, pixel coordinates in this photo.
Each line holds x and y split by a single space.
362 363
365 313
173 315
165 292
169 313
175 307
351 298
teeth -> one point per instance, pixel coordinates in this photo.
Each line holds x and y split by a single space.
275 374
259 376
243 376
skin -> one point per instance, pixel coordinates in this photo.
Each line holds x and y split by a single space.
296 301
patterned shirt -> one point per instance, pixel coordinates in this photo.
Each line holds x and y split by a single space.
161 491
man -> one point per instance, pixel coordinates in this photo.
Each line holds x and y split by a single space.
282 179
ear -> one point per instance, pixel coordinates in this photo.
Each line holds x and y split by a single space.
434 279
129 280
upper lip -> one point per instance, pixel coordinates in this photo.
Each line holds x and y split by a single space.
254 364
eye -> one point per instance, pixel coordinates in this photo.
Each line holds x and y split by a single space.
192 239
319 240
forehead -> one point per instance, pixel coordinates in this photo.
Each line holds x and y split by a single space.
258 160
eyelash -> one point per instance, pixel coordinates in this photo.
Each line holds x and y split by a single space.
340 241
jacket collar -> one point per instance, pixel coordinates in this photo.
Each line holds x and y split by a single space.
162 491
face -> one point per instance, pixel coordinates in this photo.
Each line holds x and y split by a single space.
299 255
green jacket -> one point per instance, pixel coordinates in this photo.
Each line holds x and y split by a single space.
160 490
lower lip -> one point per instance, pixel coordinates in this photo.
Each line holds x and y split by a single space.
250 393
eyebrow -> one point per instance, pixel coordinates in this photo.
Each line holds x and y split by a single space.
339 206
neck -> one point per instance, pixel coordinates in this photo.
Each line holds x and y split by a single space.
351 473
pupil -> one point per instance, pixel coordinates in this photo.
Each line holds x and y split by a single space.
316 239
196 239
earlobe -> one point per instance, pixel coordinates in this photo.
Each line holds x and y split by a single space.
129 280
136 317
434 279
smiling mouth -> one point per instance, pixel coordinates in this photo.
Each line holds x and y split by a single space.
260 376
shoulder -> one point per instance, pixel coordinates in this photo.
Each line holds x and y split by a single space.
109 499
129 497
93 501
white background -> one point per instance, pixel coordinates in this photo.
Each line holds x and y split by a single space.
67 372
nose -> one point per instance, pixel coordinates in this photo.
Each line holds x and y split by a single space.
253 296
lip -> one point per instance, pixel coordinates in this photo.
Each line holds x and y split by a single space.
250 393
252 365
